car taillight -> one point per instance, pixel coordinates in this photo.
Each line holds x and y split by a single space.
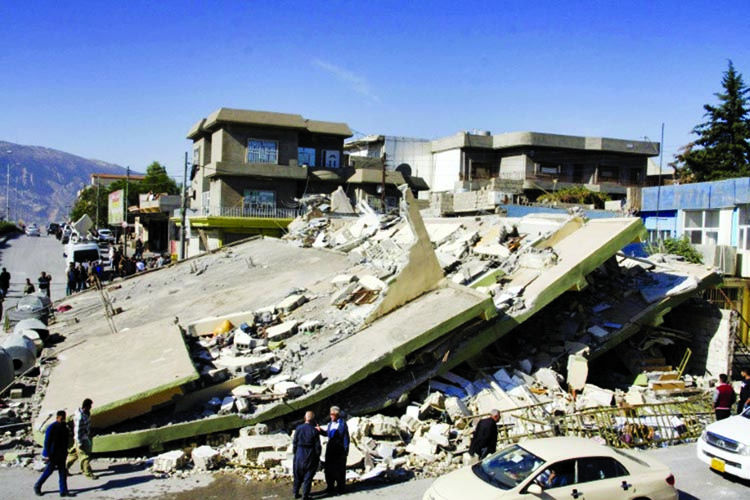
670 480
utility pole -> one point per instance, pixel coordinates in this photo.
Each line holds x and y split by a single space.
382 183
96 222
658 188
125 218
7 188
183 210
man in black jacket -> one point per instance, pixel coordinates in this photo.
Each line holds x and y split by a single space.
306 449
484 440
55 452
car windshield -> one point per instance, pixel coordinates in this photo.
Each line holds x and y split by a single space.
508 468
746 412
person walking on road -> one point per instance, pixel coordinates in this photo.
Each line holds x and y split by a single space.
724 397
337 449
54 453
82 434
484 440
306 450
5 282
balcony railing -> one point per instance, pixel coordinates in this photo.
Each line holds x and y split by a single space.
255 212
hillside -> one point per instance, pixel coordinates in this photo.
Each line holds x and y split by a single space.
44 182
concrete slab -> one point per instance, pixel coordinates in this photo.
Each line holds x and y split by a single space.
125 374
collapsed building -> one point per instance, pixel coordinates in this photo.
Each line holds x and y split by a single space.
374 313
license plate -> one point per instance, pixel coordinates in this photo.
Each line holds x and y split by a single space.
717 464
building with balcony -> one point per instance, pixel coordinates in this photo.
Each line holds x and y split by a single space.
516 165
249 167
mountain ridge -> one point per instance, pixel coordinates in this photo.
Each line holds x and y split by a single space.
44 182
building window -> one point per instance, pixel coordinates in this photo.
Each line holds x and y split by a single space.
702 226
256 200
609 174
197 155
260 151
306 156
744 227
331 159
205 201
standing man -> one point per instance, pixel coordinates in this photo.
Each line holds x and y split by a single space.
337 450
484 440
306 449
28 287
723 398
4 282
71 275
82 434
44 283
744 400
54 453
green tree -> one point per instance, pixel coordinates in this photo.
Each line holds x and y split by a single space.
86 203
157 181
722 149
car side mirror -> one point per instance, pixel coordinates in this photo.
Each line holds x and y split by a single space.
535 489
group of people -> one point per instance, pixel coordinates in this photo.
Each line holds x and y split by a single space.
82 275
43 282
59 454
123 265
307 450
725 397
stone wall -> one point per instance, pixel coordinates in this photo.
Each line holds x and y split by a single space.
713 338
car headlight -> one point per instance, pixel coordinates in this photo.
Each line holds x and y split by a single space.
743 449
704 436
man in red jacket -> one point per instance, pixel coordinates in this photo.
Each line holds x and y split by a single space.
723 398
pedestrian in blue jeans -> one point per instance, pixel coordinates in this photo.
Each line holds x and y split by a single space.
55 452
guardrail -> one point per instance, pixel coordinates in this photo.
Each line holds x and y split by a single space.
257 212
624 427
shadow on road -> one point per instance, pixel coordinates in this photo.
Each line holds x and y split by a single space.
114 484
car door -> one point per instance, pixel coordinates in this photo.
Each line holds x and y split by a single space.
602 478
558 480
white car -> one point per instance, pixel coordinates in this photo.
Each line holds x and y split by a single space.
725 445
105 236
557 468
32 230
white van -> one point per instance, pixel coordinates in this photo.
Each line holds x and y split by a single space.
81 252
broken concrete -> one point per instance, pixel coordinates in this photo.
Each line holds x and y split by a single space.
205 458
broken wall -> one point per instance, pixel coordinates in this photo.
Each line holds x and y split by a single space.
713 332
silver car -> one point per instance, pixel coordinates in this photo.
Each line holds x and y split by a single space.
32 230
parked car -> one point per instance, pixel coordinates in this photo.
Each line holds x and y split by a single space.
32 230
52 228
725 445
105 236
557 468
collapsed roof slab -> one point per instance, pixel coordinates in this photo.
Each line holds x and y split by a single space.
125 374
385 343
579 253
651 315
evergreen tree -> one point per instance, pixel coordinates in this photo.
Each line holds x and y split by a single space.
158 181
722 149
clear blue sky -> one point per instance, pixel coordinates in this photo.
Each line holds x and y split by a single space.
123 82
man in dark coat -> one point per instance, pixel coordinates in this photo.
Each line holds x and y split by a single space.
306 449
4 282
55 452
484 440
337 450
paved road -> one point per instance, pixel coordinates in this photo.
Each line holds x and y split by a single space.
121 481
26 257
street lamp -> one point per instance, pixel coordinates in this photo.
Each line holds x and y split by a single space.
7 187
